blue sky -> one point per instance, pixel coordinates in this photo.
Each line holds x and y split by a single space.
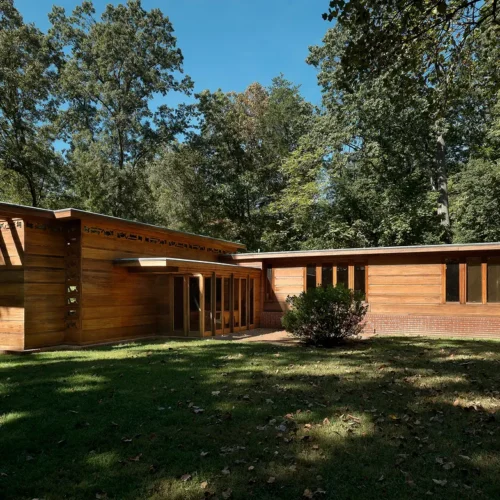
229 44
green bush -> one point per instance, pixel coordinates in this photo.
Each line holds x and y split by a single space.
325 316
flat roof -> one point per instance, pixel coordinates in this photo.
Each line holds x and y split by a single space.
13 210
346 252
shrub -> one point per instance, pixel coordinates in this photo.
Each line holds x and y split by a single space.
325 316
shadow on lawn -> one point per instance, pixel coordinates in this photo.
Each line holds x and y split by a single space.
126 423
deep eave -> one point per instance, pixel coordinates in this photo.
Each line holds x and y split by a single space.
346 252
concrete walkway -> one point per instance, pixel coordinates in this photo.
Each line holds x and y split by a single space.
267 335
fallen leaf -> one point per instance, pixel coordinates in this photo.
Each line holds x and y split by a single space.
227 493
251 468
226 471
307 493
271 480
204 453
186 477
204 485
441 482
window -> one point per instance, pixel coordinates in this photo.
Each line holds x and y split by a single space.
493 279
311 277
243 298
343 275
326 275
452 281
474 281
226 303
236 302
252 288
269 282
360 279
194 304
208 304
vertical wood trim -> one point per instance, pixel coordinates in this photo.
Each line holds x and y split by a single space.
304 278
334 270
319 276
214 302
202 305
463 282
484 282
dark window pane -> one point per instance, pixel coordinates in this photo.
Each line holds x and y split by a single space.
218 303
494 279
269 282
178 303
194 304
326 275
311 277
236 302
226 314
252 291
343 275
474 287
452 281
360 279
208 304
243 302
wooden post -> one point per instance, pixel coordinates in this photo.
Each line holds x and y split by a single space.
484 281
185 290
231 304
319 277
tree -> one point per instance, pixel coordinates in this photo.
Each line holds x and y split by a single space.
111 72
28 107
230 169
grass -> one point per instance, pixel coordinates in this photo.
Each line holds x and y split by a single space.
384 418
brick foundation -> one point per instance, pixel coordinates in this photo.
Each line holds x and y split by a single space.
400 324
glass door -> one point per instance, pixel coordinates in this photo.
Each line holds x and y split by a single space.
226 312
236 304
194 305
208 305
218 306
243 299
178 305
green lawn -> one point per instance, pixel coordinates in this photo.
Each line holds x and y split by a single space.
384 418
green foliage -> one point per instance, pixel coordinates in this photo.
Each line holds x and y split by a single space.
325 316
476 205
28 83
111 71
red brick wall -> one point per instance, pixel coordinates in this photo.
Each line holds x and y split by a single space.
457 326
394 324
271 319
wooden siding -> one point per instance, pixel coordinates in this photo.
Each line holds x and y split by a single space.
11 283
44 283
285 281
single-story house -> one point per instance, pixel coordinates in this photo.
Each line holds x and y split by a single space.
70 277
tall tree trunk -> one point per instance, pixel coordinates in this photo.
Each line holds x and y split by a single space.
442 182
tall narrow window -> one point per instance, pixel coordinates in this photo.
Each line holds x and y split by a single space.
194 304
236 302
269 282
326 275
227 313
360 279
252 305
243 296
494 279
208 304
452 281
310 277
218 303
474 282
178 303
343 275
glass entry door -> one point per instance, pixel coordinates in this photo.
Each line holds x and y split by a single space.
178 305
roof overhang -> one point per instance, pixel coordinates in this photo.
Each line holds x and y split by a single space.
167 265
347 252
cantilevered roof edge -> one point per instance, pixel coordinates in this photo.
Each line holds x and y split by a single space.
340 252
